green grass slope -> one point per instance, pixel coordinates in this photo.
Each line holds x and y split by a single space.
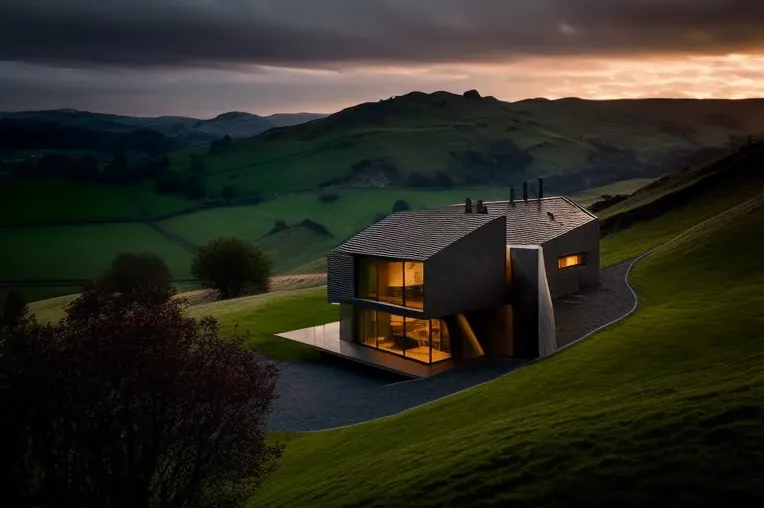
475 140
664 409
57 200
666 207
81 252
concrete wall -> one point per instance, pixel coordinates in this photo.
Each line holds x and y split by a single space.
347 323
469 274
533 314
568 281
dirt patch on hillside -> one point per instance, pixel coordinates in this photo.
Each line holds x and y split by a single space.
278 283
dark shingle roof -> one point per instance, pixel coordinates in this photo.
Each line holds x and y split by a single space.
414 234
530 223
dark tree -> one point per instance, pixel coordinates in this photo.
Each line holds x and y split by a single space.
117 171
88 168
233 267
228 194
442 179
279 225
124 404
14 311
194 188
400 206
141 275
328 197
169 182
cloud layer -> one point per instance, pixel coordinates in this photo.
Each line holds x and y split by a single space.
340 33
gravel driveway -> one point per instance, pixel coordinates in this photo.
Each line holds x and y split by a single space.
315 396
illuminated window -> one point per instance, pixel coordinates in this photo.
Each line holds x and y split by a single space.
572 260
391 281
421 340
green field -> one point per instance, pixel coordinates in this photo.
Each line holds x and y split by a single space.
23 201
664 409
77 252
354 211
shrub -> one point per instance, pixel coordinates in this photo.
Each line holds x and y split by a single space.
228 194
194 188
14 311
328 197
232 266
169 182
400 206
138 275
279 225
124 404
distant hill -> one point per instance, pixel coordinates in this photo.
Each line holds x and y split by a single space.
442 139
181 131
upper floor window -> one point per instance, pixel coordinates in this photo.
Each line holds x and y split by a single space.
391 281
572 260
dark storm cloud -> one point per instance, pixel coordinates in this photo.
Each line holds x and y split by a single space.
315 33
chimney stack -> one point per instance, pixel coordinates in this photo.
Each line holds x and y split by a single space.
467 205
541 188
511 195
480 207
525 191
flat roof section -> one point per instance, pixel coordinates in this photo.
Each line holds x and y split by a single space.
326 338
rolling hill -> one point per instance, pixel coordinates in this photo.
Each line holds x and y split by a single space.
662 409
442 139
181 131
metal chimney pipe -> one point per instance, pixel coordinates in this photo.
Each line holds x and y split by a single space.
512 195
467 205
479 206
541 188
525 191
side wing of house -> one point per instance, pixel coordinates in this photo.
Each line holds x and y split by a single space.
573 260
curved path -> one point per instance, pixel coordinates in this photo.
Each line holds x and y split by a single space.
320 396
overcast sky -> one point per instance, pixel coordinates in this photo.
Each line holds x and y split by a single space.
203 57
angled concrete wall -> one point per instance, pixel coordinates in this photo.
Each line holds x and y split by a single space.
568 281
533 313
469 274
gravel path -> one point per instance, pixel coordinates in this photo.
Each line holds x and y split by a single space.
317 396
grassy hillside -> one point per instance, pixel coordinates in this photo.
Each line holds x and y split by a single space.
665 208
50 200
664 409
81 252
578 144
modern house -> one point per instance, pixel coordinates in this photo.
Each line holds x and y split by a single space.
422 291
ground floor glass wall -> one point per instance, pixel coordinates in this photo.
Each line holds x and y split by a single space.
423 340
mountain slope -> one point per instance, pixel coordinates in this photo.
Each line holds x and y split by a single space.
442 139
663 409
183 131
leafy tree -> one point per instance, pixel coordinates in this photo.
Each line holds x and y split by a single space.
232 266
328 197
14 311
228 193
125 404
88 168
400 206
142 275
195 188
169 182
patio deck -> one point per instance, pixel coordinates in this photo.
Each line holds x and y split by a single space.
327 339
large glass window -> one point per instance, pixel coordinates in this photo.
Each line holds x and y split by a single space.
422 340
413 281
396 282
367 278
